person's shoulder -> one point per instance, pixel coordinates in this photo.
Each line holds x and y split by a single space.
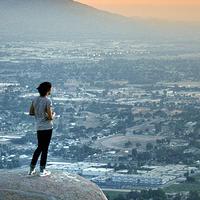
48 100
35 98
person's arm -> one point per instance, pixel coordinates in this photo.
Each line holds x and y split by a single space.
32 110
49 111
50 114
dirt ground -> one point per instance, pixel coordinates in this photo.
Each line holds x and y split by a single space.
119 142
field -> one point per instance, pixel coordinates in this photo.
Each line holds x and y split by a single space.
113 194
195 186
119 141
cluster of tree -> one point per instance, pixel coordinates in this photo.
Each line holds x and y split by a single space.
143 195
193 195
162 153
81 152
156 195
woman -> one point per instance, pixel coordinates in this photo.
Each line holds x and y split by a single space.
41 108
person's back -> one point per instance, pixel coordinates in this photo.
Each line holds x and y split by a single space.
41 108
40 105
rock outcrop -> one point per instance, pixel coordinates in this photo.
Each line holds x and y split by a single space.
17 185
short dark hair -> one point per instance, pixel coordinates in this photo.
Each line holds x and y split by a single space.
43 88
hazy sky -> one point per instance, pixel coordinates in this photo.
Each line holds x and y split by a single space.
184 10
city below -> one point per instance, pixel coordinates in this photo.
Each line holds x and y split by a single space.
126 115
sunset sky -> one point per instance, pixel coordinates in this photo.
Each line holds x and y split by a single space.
181 10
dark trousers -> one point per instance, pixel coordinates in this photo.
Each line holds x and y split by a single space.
44 138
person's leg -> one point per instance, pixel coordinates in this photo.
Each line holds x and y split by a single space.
37 152
47 134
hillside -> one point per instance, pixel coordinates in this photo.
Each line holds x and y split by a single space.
67 19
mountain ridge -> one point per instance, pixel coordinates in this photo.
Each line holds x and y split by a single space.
66 19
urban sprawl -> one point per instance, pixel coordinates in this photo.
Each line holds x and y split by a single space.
118 123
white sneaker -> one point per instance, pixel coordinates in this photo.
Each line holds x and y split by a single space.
32 172
45 173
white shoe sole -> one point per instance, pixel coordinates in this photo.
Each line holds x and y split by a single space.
46 174
33 173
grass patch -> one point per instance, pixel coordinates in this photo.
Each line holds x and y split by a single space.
114 194
186 186
183 187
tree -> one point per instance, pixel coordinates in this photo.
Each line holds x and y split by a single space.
158 195
120 197
193 195
177 197
134 153
138 144
134 195
190 179
128 144
145 194
158 128
149 146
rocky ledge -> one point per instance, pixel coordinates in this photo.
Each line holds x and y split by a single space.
17 185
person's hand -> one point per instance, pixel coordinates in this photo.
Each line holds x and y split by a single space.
53 114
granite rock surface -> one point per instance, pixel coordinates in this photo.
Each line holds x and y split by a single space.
17 185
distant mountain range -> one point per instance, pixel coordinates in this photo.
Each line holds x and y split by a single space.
67 19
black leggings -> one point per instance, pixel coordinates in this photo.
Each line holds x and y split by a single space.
44 138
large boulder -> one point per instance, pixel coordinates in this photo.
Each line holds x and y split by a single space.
17 185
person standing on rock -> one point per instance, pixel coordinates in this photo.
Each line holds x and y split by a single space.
41 108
